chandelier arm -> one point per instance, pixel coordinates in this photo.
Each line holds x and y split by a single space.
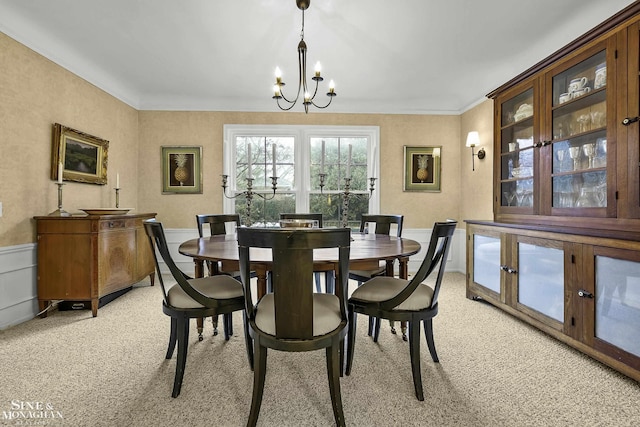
315 91
289 101
291 104
320 106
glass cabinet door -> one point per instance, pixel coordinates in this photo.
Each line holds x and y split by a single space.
517 167
617 304
579 156
541 277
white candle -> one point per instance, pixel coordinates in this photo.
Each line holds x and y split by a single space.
273 159
249 161
322 159
60 171
373 162
349 163
117 180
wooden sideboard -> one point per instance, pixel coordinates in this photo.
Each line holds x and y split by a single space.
85 258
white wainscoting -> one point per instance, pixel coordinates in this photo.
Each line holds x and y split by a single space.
18 270
18 284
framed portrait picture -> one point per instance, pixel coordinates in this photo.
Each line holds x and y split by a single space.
181 170
422 168
78 156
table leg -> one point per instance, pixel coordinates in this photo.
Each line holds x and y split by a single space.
199 272
261 274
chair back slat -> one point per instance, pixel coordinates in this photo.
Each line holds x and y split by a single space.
437 254
382 223
217 223
292 273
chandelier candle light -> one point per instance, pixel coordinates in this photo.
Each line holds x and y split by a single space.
302 75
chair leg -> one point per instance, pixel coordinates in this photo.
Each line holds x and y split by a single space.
228 326
259 371
333 372
376 329
248 342
428 333
330 280
183 338
200 327
414 351
316 275
173 335
351 339
372 326
214 320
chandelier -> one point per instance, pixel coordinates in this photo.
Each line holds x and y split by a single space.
302 75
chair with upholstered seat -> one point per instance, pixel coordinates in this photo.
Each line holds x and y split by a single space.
406 300
191 299
294 318
380 224
328 277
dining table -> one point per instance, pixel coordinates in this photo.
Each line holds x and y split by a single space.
367 250
366 253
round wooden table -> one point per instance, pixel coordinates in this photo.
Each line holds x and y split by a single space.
366 252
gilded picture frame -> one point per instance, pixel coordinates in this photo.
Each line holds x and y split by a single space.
182 170
422 168
84 157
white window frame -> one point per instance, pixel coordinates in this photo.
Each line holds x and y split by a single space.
302 135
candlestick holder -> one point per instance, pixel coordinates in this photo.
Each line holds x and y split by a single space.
347 194
249 194
59 211
117 197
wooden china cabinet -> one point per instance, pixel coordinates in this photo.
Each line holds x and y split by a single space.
563 250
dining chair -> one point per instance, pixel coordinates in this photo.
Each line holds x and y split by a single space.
380 224
328 276
406 300
218 224
191 299
294 318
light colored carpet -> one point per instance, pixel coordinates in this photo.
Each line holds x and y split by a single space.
494 371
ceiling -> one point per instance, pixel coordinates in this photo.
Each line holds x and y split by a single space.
385 56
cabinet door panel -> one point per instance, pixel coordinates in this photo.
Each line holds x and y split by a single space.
541 278
617 290
486 265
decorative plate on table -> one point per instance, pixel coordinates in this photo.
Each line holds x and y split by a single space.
106 211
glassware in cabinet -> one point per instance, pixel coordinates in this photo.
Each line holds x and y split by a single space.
517 167
579 145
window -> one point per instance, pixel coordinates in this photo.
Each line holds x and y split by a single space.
296 154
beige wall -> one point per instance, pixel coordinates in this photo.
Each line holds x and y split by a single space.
34 94
477 189
206 129
37 93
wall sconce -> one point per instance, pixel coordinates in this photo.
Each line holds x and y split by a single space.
473 139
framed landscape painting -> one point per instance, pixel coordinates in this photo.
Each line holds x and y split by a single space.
422 168
181 170
78 156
